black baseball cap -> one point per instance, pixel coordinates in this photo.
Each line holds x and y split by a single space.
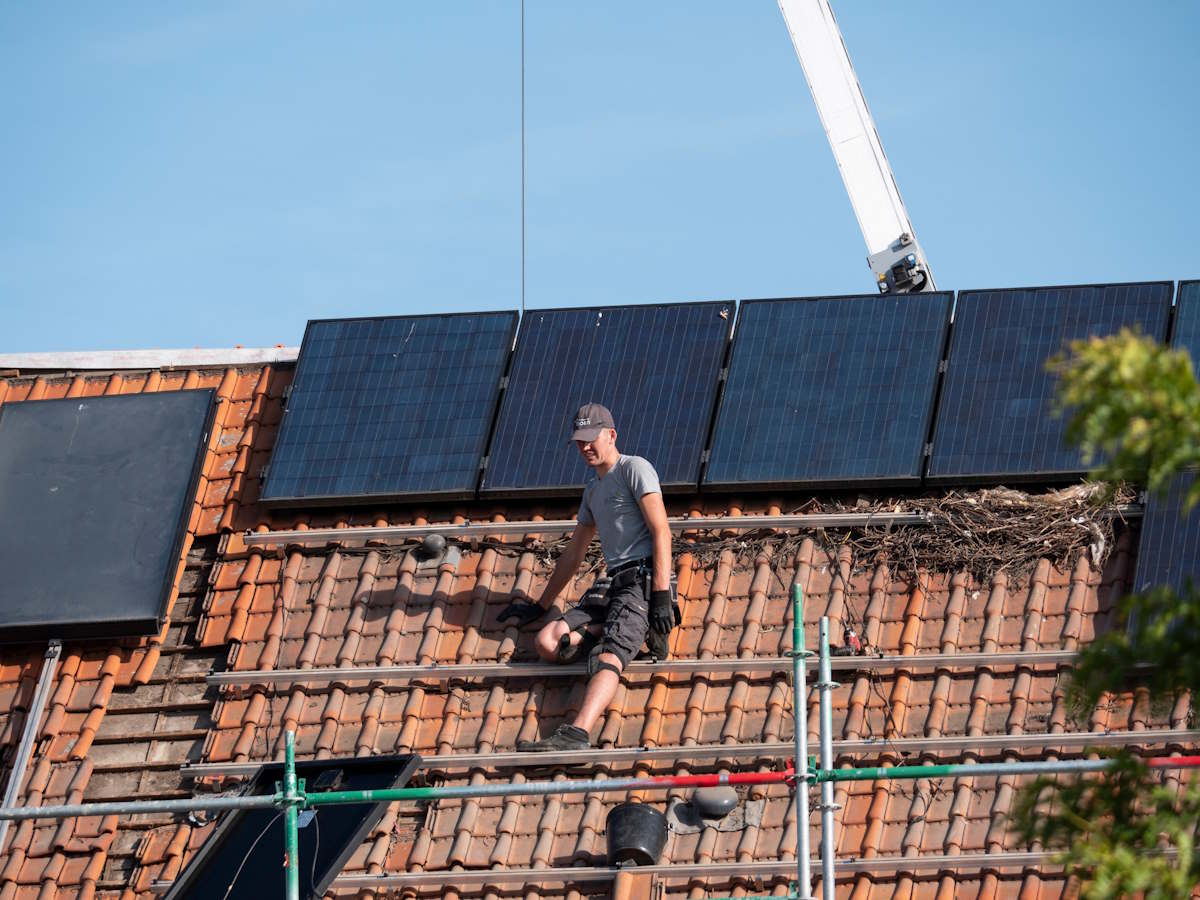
589 421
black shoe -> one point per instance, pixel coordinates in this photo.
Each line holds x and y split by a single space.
565 737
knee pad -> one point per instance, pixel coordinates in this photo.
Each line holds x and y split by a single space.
595 664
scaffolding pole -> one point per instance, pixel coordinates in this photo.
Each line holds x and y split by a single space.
532 788
33 722
800 726
303 799
825 686
291 800
971 770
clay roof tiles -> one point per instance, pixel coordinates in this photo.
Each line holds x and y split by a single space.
124 717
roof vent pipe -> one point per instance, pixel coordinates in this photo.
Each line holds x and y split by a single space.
432 545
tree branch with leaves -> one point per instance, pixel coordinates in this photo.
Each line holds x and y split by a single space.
1133 408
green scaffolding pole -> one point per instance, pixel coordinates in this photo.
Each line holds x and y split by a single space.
800 727
970 770
292 799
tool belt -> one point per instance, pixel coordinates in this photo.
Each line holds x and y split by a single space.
642 570
630 572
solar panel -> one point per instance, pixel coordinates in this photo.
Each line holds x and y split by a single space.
825 390
994 419
242 858
655 367
95 495
1169 550
1187 321
389 408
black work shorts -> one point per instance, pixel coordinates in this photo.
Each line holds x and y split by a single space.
624 616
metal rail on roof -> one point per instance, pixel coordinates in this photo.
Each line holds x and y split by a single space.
795 521
987 743
354 535
761 869
373 674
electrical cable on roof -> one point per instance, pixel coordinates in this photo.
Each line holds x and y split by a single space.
246 858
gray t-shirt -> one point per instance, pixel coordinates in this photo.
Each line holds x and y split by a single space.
611 504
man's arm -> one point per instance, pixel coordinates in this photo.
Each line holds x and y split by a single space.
567 564
655 514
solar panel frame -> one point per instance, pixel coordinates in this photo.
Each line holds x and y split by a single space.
552 403
952 404
827 476
351 399
108 486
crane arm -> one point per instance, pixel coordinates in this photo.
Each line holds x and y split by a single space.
893 253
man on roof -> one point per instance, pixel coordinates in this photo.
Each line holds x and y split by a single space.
623 503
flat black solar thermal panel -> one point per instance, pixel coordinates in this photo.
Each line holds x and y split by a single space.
390 408
994 420
95 495
828 390
1169 550
656 368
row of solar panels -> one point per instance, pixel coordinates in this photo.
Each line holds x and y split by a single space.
815 390
811 392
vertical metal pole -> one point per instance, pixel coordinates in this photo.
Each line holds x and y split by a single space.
800 725
825 686
291 842
33 721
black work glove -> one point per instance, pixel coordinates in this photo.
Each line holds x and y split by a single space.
524 611
656 646
662 614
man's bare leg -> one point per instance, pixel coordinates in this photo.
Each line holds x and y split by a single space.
547 641
599 693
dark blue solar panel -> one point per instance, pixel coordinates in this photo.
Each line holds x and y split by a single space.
994 419
830 389
656 367
1169 552
1187 321
390 407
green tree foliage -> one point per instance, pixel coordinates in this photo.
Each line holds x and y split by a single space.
1134 406
1114 827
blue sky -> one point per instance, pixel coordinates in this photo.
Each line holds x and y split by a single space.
219 174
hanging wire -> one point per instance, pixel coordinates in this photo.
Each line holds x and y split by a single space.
522 159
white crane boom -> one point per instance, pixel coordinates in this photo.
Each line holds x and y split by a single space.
893 253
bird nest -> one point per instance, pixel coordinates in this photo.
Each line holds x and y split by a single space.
979 532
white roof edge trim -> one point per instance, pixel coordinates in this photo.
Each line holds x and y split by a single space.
110 360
